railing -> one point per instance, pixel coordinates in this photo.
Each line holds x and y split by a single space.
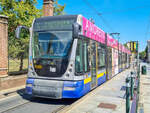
14 66
132 90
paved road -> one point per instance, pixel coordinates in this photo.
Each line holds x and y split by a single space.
22 103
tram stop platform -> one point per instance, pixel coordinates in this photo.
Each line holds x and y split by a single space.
110 97
144 98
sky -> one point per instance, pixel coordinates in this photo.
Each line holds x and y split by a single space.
130 18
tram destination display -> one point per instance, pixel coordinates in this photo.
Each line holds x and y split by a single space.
53 25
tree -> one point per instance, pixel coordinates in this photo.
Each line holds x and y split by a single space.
22 12
146 51
142 55
58 9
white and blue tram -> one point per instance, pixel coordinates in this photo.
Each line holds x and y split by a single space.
69 56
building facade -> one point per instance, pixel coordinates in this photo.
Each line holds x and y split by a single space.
148 51
3 45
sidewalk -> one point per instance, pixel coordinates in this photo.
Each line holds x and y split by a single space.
11 84
108 98
144 99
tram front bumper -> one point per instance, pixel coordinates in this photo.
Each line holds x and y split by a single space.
73 89
44 88
56 89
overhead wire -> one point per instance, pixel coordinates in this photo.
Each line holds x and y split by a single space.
147 29
129 9
115 11
99 14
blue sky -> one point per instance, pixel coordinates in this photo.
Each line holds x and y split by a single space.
128 17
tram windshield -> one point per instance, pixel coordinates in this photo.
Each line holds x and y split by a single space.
51 44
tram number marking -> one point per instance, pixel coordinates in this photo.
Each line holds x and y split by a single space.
52 69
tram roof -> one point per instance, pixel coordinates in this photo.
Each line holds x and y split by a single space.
59 17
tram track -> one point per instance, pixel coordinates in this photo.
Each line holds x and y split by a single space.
14 107
11 108
8 97
22 103
59 109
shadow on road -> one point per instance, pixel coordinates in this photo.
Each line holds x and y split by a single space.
45 100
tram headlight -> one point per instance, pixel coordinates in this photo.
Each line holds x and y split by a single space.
28 85
70 70
67 74
69 88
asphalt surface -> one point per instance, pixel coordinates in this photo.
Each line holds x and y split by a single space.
22 103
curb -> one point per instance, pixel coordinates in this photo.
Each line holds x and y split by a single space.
11 83
8 93
11 90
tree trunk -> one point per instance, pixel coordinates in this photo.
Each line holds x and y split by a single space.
21 62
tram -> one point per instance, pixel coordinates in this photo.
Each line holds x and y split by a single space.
69 56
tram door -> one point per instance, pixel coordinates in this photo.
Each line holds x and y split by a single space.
119 61
109 63
93 65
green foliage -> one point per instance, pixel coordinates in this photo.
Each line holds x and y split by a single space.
146 51
142 55
58 9
22 12
19 12
125 45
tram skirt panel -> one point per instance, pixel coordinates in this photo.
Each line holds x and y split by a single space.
79 90
101 79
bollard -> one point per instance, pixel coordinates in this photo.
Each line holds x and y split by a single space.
127 95
138 77
138 87
132 88
144 70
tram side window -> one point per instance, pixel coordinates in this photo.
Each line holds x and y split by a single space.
79 58
85 51
101 56
122 58
119 59
126 58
